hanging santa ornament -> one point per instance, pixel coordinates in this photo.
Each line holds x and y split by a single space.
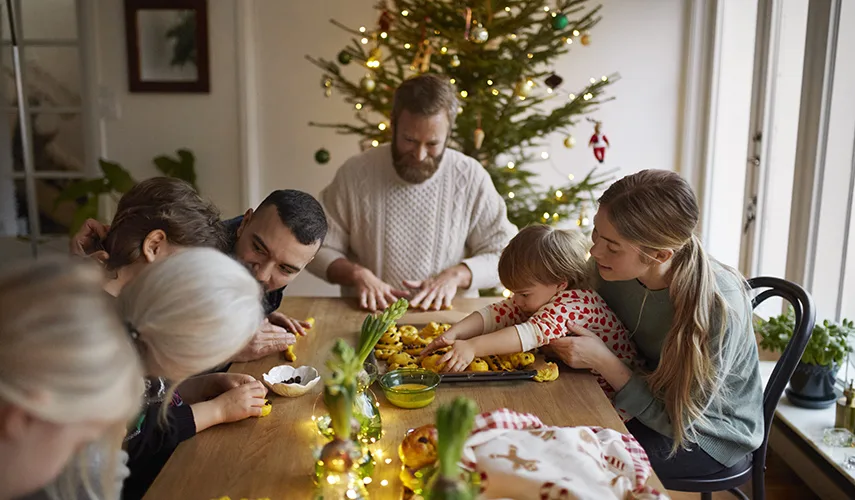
421 62
553 81
455 61
479 135
385 21
344 57
328 84
598 141
569 142
559 21
367 83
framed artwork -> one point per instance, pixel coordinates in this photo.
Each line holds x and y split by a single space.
167 42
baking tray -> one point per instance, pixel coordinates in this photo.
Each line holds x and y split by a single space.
461 377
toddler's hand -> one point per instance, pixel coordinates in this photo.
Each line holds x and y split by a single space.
241 402
444 340
459 357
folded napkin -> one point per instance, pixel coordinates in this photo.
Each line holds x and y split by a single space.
520 458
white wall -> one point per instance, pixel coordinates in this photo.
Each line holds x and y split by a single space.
154 124
643 41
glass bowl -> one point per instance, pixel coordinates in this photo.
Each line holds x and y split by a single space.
410 387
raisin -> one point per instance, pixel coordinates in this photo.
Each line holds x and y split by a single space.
298 380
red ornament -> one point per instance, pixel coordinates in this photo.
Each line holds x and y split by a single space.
385 21
599 142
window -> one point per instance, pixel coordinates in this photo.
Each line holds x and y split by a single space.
800 182
56 102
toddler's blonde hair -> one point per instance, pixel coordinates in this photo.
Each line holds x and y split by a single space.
546 255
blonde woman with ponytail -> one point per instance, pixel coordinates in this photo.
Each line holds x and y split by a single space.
699 401
69 377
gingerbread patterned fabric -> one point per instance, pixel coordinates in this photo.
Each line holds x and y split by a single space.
583 307
519 457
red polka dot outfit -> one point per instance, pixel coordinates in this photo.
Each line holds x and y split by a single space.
586 308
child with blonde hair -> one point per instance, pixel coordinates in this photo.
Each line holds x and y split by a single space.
547 271
188 314
69 377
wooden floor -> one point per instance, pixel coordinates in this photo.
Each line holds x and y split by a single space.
781 484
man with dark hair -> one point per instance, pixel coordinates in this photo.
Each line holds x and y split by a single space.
414 218
275 242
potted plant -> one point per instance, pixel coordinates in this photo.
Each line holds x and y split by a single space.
117 181
812 383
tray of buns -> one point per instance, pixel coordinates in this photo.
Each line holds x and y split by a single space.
401 347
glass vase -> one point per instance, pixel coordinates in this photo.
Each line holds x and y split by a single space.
366 410
343 477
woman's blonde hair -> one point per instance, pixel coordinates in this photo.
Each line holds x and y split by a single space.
66 355
657 210
543 254
191 312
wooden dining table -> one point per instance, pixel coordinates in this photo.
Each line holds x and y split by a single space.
273 456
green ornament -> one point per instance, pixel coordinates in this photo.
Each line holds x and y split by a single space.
322 156
344 57
560 22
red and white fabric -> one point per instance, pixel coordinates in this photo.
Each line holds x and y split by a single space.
520 458
586 308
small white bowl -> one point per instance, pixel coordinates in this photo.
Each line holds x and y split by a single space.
309 377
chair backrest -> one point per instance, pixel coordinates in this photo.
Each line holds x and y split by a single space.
805 319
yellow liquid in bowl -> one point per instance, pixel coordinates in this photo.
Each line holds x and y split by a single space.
410 400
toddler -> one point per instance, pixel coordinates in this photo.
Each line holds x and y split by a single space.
547 271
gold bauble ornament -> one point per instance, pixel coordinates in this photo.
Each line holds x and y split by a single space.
586 39
455 61
569 142
367 83
480 34
523 88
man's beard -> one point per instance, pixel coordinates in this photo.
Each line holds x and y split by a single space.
411 170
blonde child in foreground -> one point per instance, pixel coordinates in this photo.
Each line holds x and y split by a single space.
68 377
547 271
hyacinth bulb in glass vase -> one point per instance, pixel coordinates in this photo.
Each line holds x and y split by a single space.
365 406
453 423
336 473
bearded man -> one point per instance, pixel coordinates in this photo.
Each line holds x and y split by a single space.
414 219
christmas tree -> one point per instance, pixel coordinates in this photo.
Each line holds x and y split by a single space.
498 55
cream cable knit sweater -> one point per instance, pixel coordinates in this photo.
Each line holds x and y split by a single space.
404 231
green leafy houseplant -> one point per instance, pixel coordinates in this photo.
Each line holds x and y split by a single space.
828 345
117 181
812 383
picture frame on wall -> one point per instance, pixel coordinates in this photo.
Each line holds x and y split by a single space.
167 44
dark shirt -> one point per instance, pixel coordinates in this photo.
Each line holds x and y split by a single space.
150 442
272 299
